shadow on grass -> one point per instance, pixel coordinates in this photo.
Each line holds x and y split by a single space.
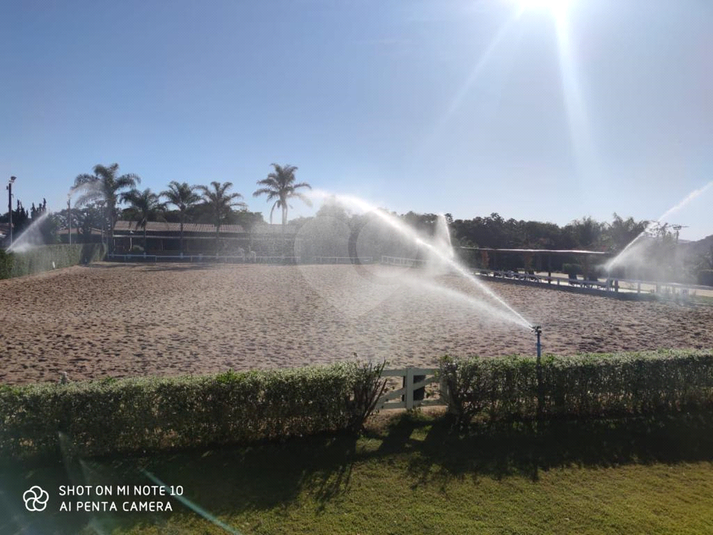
275 475
525 448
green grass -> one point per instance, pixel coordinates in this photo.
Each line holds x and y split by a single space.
412 474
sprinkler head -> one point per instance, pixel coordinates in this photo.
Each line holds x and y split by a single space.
536 329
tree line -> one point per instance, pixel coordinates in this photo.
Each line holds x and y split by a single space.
101 193
105 196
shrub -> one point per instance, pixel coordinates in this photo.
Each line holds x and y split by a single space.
129 415
47 257
580 386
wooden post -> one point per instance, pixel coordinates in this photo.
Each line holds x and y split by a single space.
409 388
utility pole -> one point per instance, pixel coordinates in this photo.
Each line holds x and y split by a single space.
69 216
9 204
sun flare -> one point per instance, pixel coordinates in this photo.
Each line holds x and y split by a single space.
556 7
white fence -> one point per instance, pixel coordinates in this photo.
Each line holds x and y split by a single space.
609 285
398 261
413 392
342 260
247 259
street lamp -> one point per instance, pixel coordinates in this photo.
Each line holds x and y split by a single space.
9 204
69 215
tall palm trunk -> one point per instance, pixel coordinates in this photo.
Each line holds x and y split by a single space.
145 249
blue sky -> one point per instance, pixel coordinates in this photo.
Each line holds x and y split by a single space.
468 107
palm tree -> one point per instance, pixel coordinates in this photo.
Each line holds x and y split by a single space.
144 206
220 204
104 186
183 197
280 186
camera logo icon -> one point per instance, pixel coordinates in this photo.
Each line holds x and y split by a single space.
35 499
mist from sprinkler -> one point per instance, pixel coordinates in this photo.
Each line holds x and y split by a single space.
629 249
437 251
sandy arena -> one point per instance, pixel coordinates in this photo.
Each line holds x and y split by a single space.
168 319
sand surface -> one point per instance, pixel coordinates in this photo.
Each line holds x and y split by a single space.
168 319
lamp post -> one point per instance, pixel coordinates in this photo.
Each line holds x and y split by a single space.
69 215
9 204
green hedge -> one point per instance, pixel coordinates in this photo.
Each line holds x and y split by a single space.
130 415
39 259
590 385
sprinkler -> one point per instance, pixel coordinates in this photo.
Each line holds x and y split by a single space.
538 332
540 385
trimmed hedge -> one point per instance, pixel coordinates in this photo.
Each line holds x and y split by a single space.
130 415
39 259
590 385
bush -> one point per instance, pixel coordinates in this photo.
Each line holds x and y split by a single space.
581 386
47 257
137 249
130 415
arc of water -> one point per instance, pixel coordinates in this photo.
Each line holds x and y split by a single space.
624 252
412 235
31 236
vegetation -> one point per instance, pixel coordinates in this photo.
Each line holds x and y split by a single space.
583 386
659 255
144 206
183 197
220 204
46 258
412 474
280 186
105 187
113 416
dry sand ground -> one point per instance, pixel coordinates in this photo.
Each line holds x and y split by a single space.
168 319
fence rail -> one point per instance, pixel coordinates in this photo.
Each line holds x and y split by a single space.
413 391
609 285
242 259
399 261
342 260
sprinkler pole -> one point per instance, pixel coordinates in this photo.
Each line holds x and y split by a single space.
540 386
538 332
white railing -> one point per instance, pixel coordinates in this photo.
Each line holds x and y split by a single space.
207 258
518 275
342 260
609 285
399 261
413 392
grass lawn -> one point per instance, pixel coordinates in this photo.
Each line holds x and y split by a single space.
409 474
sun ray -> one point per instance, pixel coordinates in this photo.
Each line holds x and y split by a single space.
577 116
459 96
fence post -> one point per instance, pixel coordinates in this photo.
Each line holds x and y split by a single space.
409 388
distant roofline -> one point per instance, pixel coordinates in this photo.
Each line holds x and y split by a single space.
547 251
